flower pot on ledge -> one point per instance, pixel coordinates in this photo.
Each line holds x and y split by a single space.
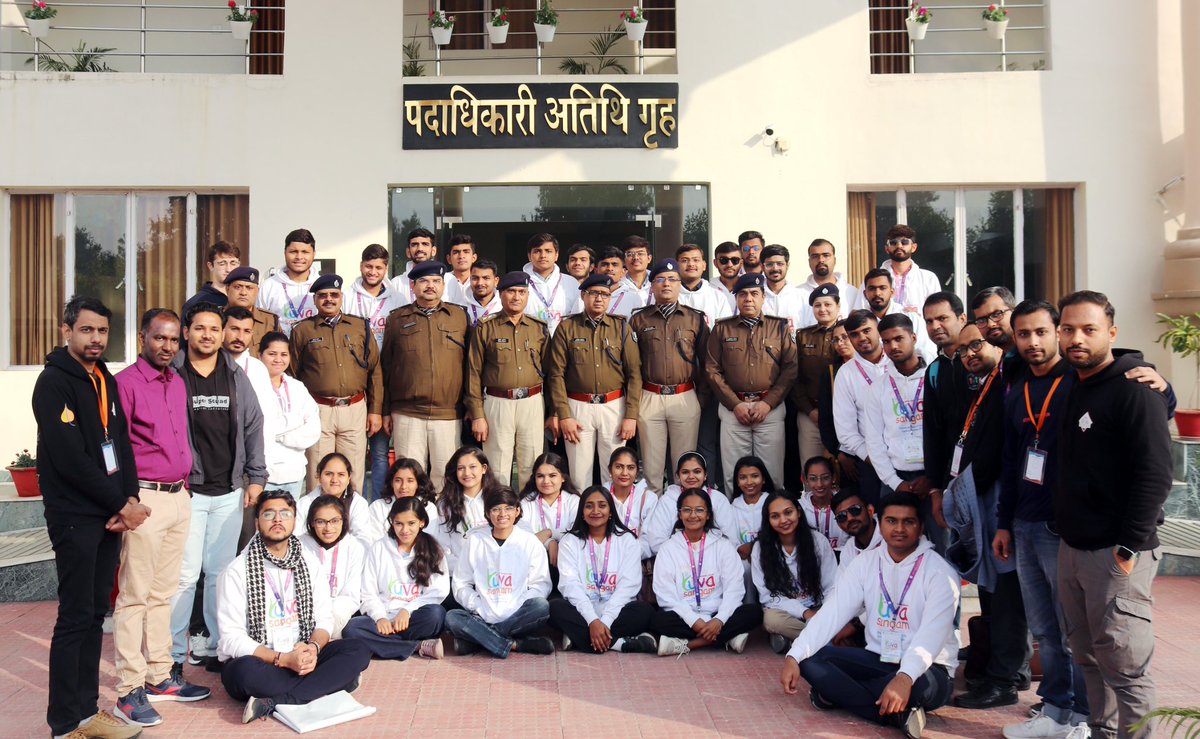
39 28
441 36
25 479
241 29
498 34
1188 422
917 30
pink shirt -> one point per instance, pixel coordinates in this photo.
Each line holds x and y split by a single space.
156 405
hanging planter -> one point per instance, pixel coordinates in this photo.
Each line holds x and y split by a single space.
441 27
241 20
995 18
37 19
241 29
545 22
39 29
635 23
545 32
917 21
498 28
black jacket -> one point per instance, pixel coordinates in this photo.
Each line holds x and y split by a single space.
75 484
946 399
1114 468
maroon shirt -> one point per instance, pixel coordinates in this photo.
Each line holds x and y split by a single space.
156 405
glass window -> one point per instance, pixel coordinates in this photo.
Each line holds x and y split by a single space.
989 221
931 214
161 223
100 248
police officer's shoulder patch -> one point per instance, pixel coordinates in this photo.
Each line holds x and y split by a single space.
728 319
491 317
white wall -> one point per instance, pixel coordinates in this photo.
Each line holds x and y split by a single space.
319 146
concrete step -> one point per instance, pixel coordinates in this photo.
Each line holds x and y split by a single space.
1180 541
27 571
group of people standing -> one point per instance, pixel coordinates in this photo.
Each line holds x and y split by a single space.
641 410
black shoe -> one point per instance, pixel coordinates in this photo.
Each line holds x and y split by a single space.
212 664
988 696
257 709
819 701
914 723
640 644
535 645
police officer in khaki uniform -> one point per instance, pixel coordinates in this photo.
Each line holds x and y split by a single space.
424 353
671 340
751 363
504 382
814 349
334 355
241 285
594 373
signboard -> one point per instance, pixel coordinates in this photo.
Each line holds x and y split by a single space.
542 115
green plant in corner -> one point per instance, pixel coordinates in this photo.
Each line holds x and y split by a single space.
82 59
601 46
412 58
24 460
1182 337
1187 719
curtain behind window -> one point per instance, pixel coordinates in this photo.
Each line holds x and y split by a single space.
38 267
161 252
221 218
1060 242
888 16
270 18
860 232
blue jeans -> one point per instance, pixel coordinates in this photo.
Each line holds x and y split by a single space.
1062 687
211 545
379 445
295 488
853 679
497 638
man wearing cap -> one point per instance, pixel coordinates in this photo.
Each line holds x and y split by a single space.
424 353
336 358
814 350
671 339
504 381
751 364
594 373
242 287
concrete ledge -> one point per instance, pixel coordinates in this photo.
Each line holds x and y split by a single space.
1180 541
27 571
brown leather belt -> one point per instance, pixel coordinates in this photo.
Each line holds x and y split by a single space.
668 389
515 393
751 397
339 402
597 398
161 487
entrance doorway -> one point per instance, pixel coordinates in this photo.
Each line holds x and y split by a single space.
501 218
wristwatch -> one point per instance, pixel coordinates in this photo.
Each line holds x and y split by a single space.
1125 553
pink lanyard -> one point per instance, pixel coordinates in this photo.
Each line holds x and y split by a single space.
909 412
903 279
907 584
628 505
613 308
557 515
284 406
828 516
600 576
553 293
362 308
862 372
696 570
276 592
486 312
332 570
292 307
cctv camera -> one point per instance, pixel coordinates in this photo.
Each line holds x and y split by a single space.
769 131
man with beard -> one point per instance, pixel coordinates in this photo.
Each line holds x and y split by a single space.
239 332
879 296
991 309
852 390
945 385
242 286
581 258
482 300
856 518
751 244
728 258
913 284
420 249
286 293
821 260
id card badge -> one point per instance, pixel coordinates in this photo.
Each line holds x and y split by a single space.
914 449
956 460
891 647
1035 465
110 457
283 640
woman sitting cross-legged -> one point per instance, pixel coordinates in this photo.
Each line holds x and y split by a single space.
699 584
501 581
403 587
600 574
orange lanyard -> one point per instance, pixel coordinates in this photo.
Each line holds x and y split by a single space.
1040 421
102 394
978 400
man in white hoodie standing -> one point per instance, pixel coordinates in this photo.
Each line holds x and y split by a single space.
286 293
552 295
911 596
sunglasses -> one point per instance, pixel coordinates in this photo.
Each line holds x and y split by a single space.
854 510
729 260
900 242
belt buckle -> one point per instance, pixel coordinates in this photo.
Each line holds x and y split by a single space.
520 392
341 402
597 398
666 390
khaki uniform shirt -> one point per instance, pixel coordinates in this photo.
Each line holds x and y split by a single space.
264 323
337 361
587 357
672 349
741 359
504 355
815 355
423 361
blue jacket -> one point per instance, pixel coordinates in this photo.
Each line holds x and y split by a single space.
971 517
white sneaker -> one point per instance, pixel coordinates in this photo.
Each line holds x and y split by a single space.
432 648
566 643
198 649
1039 726
1080 731
669 645
737 644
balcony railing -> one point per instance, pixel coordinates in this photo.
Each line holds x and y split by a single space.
142 36
957 41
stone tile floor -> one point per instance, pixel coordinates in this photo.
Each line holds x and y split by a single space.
567 695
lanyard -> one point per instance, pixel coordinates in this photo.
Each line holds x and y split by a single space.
557 514
612 310
910 412
600 576
628 504
1040 421
379 303
487 311
817 518
903 279
102 396
553 293
276 591
332 570
696 570
292 307
975 406
285 398
895 607
862 371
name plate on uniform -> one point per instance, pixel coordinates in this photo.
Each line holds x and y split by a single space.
541 115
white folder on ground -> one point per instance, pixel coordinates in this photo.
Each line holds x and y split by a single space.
331 710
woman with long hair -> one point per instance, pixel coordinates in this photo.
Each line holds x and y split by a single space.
820 485
405 478
600 575
460 504
633 501
691 473
335 477
549 502
792 567
404 584
341 555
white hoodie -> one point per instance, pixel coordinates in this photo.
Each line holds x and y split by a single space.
894 436
553 298
288 299
721 578
850 551
636 513
387 588
373 309
852 388
747 520
788 304
453 542
536 516
379 510
456 292
626 298
577 576
722 291
708 301
291 424
477 312
795 607
925 618
666 513
343 565
360 517
822 522
493 580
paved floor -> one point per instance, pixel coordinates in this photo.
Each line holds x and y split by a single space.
569 694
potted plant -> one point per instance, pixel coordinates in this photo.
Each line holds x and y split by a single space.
635 23
1183 338
498 28
37 19
995 18
545 22
917 21
441 26
241 20
24 475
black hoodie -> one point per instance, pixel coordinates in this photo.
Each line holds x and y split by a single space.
71 471
1114 468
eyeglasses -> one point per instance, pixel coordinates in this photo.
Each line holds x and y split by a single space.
854 510
729 260
502 509
693 511
752 248
820 478
640 253
839 340
597 294
993 317
323 522
900 242
975 346
227 263
666 280
282 515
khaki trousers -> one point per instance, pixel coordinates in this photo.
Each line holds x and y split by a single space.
782 623
601 426
151 556
666 420
810 438
432 443
343 429
515 429
764 440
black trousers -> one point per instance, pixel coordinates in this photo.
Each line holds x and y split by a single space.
339 663
746 618
86 557
633 619
854 679
869 485
1008 661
